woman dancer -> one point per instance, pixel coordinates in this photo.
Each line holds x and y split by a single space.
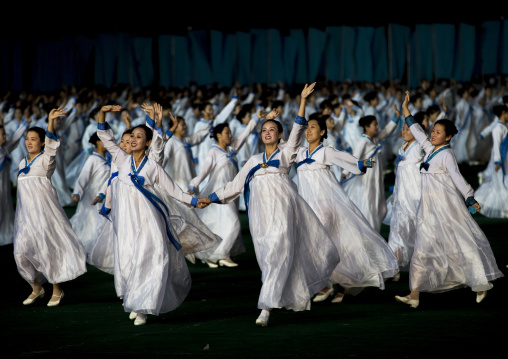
281 222
365 258
151 268
451 251
45 249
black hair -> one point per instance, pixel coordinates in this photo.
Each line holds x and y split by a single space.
280 129
314 116
127 132
365 121
321 121
499 109
325 104
505 99
243 112
93 139
218 129
94 112
148 132
203 105
449 126
461 91
432 109
369 96
41 132
419 117
277 103
415 97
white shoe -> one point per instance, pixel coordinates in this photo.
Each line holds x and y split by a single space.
222 262
133 315
396 277
412 302
338 298
263 318
480 297
29 301
324 296
210 264
140 319
55 303
191 258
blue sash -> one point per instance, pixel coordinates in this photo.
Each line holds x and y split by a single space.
229 156
27 165
138 182
250 176
425 165
401 157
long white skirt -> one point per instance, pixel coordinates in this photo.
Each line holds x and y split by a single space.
150 273
492 195
451 251
293 267
365 258
368 193
6 207
407 194
222 219
45 246
73 170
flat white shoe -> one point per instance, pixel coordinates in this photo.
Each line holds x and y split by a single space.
396 277
210 264
480 297
262 320
412 302
57 302
222 262
324 296
133 315
140 319
338 298
29 301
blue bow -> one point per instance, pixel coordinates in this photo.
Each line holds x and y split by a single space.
113 175
399 158
425 165
250 176
27 165
308 161
138 182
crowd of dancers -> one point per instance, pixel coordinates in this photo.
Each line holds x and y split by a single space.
161 177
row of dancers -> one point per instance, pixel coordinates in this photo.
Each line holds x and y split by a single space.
309 233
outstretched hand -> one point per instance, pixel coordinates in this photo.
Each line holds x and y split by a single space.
397 112
405 105
272 114
174 120
307 90
157 108
57 112
204 202
75 198
111 108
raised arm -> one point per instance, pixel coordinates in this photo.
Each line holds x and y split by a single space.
415 128
350 163
83 179
239 140
172 188
51 143
105 134
207 167
13 142
226 111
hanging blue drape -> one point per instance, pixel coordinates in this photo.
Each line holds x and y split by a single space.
334 53
301 55
222 57
289 53
504 48
363 54
490 46
380 55
316 45
349 53
259 55
17 62
424 52
182 65
5 65
105 59
400 37
414 78
68 53
216 52
165 58
143 61
84 49
202 71
444 37
465 55
125 65
48 67
244 58
228 60
275 64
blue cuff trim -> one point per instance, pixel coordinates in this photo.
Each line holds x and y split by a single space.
498 163
235 97
395 119
481 138
102 196
213 197
391 188
103 126
470 201
362 167
195 159
410 121
77 195
25 123
169 133
192 188
51 135
150 122
194 202
301 121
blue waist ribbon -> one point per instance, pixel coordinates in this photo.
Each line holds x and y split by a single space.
250 176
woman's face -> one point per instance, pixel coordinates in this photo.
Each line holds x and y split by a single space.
270 133
313 132
407 136
208 111
438 136
372 129
100 146
125 143
225 136
181 129
138 140
33 142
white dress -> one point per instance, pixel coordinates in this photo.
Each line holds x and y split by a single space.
451 251
86 222
464 143
368 192
492 195
45 246
6 208
365 258
281 223
150 269
406 198
221 167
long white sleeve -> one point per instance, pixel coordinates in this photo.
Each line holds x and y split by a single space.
84 177
172 188
226 112
105 134
13 142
